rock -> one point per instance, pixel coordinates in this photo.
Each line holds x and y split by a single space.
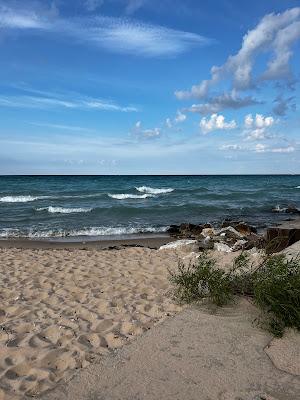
230 232
206 244
239 245
208 232
185 230
184 245
278 239
228 222
174 230
222 247
255 240
188 230
245 229
207 225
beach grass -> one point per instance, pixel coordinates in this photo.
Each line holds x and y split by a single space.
273 285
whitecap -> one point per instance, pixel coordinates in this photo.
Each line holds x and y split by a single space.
148 189
63 210
21 199
123 196
297 187
90 231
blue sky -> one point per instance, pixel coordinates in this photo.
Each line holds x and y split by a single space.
149 87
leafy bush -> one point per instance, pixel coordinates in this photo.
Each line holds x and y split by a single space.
274 286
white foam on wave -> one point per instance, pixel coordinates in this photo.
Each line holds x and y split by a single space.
123 196
297 187
91 231
21 199
63 210
148 189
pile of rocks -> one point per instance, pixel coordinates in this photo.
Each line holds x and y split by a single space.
231 236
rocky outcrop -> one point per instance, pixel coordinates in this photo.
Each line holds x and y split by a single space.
232 236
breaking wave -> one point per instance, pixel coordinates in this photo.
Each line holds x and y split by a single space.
148 189
91 231
63 210
21 199
123 196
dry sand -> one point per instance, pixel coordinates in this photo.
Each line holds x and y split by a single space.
62 309
65 309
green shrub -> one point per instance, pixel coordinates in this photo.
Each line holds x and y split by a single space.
274 286
277 292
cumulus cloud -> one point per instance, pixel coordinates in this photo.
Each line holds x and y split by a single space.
142 133
256 128
222 102
275 34
259 121
121 35
216 122
179 118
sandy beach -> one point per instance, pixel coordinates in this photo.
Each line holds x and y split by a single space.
63 308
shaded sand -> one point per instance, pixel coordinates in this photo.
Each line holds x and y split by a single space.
63 309
199 354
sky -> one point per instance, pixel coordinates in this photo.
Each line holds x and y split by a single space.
149 87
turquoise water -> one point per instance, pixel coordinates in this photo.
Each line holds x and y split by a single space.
96 206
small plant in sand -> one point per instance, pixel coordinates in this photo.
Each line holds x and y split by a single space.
274 286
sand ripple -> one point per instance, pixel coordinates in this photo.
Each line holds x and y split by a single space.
62 309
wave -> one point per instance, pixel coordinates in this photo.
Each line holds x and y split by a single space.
91 231
63 210
148 189
123 196
21 199
297 187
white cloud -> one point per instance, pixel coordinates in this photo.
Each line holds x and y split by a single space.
262 148
231 147
141 133
275 34
23 19
39 102
216 122
179 118
257 127
289 149
114 34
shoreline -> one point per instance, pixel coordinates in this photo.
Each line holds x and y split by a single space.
151 242
147 240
